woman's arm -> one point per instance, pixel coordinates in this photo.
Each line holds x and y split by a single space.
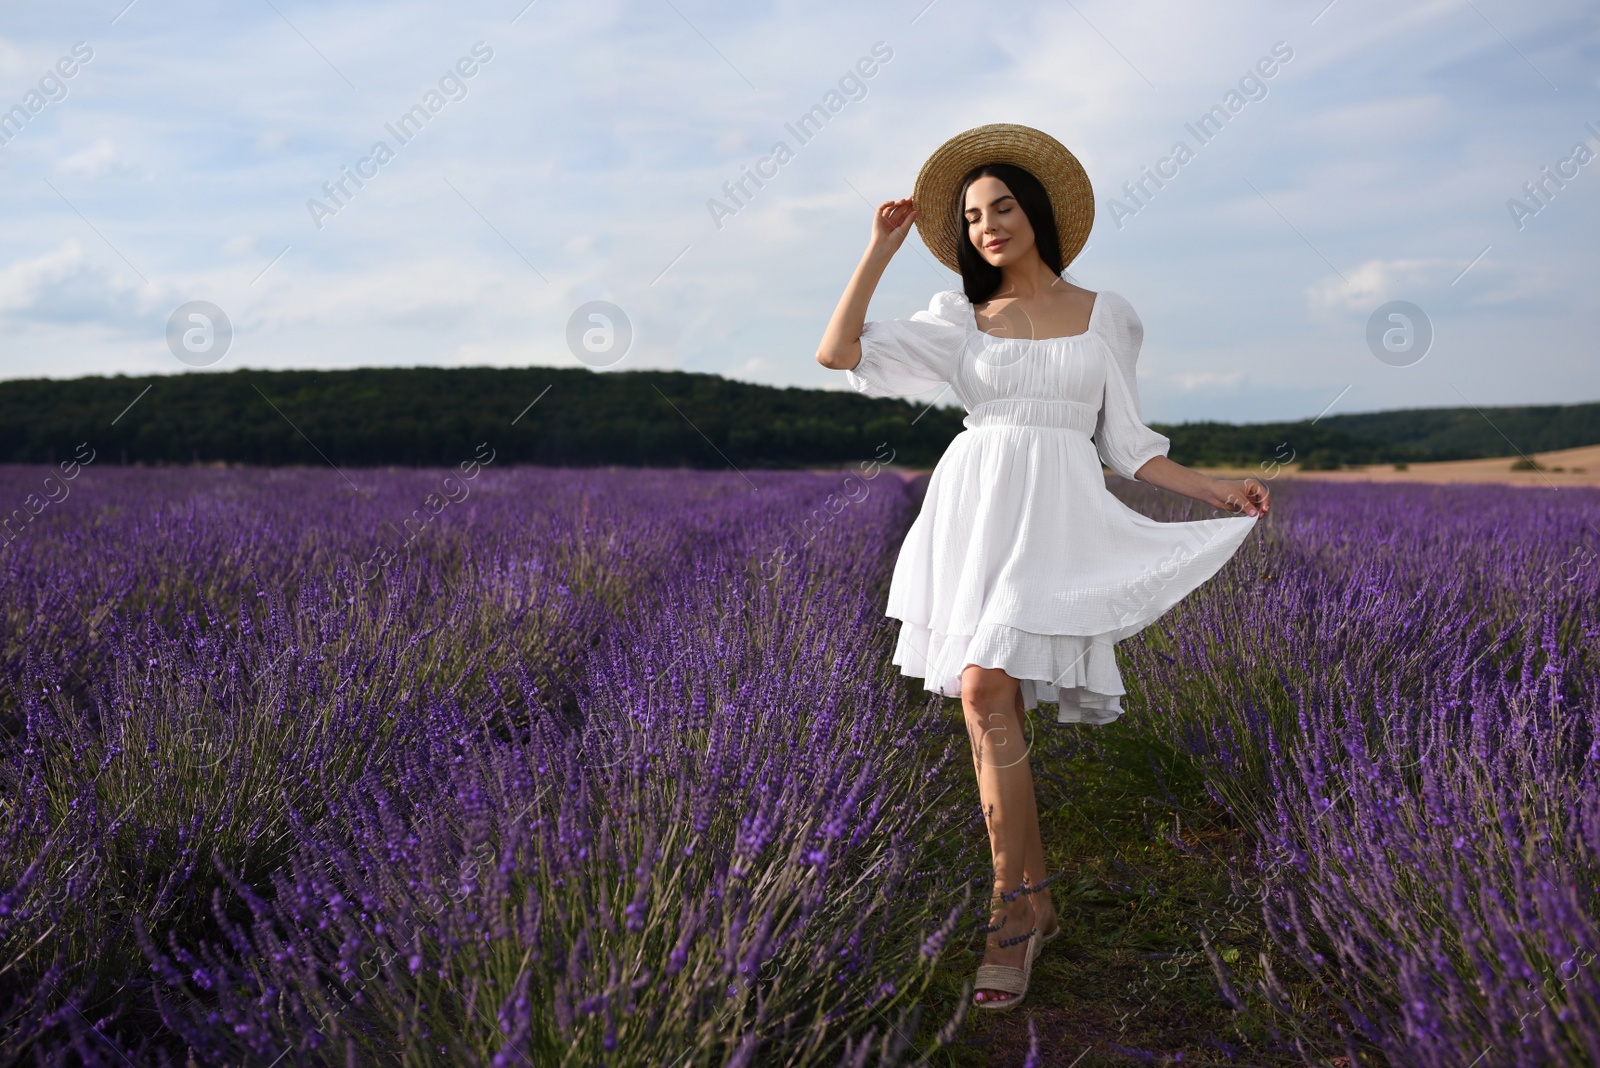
841 341
1247 495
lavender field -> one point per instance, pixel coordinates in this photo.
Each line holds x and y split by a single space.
609 767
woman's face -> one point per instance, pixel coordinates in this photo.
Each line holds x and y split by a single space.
996 224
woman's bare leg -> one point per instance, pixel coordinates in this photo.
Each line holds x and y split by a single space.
1033 869
989 699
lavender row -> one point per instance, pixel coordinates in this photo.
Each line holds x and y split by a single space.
1397 690
527 767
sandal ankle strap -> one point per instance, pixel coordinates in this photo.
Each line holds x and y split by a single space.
1015 939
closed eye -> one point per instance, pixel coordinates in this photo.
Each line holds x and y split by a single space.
978 218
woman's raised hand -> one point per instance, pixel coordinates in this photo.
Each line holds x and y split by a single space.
890 224
841 341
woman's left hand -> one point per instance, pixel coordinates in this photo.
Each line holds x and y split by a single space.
1247 495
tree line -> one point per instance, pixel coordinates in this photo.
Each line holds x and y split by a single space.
428 416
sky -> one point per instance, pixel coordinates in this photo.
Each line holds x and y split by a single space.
1443 154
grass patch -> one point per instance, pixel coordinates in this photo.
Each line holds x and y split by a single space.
1141 859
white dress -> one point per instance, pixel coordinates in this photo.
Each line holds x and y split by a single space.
1021 557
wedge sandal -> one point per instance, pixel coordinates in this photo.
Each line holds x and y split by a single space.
1002 979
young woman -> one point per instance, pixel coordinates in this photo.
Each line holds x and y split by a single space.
1023 570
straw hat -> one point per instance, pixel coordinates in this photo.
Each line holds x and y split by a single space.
939 182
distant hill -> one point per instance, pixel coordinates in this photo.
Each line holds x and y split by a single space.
438 416
1399 435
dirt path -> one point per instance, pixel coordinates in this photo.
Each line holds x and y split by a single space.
1566 467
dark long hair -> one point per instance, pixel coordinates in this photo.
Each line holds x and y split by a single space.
979 277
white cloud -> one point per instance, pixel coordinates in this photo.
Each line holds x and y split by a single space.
64 286
755 369
20 282
1190 381
1377 281
95 161
11 60
1378 121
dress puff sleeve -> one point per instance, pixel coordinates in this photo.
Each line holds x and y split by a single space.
905 357
1121 437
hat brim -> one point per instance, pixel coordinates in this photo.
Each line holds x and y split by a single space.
1058 170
